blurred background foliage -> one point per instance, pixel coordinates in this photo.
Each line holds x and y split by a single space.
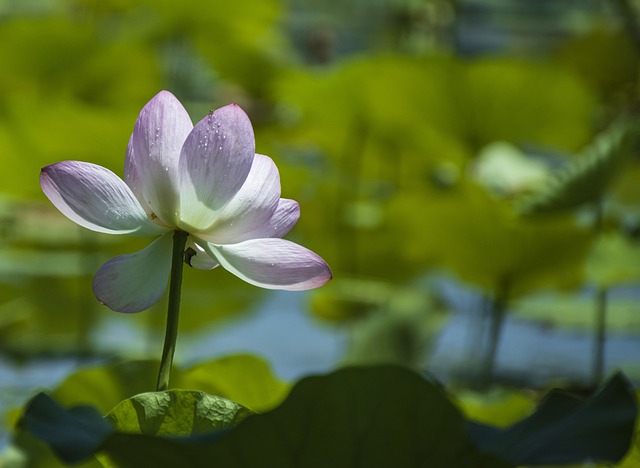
488 142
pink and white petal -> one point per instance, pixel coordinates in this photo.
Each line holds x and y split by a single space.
272 264
279 224
197 257
158 136
214 163
134 282
96 198
132 176
251 207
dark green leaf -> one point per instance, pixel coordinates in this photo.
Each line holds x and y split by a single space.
74 434
378 416
370 417
359 417
565 429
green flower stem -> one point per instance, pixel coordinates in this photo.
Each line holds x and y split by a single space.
173 312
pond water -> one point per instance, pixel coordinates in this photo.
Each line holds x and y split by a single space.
529 352
297 345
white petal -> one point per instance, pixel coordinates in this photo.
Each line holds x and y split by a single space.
272 264
197 257
280 223
132 177
134 282
151 167
214 163
95 198
251 207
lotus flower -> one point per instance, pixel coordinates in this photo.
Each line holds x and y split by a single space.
204 180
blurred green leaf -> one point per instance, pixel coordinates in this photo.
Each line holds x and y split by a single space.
614 261
471 102
346 299
507 171
626 188
520 101
586 178
499 407
397 334
386 134
77 60
375 110
105 386
606 58
387 324
69 95
243 378
486 244
241 41
40 133
52 321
